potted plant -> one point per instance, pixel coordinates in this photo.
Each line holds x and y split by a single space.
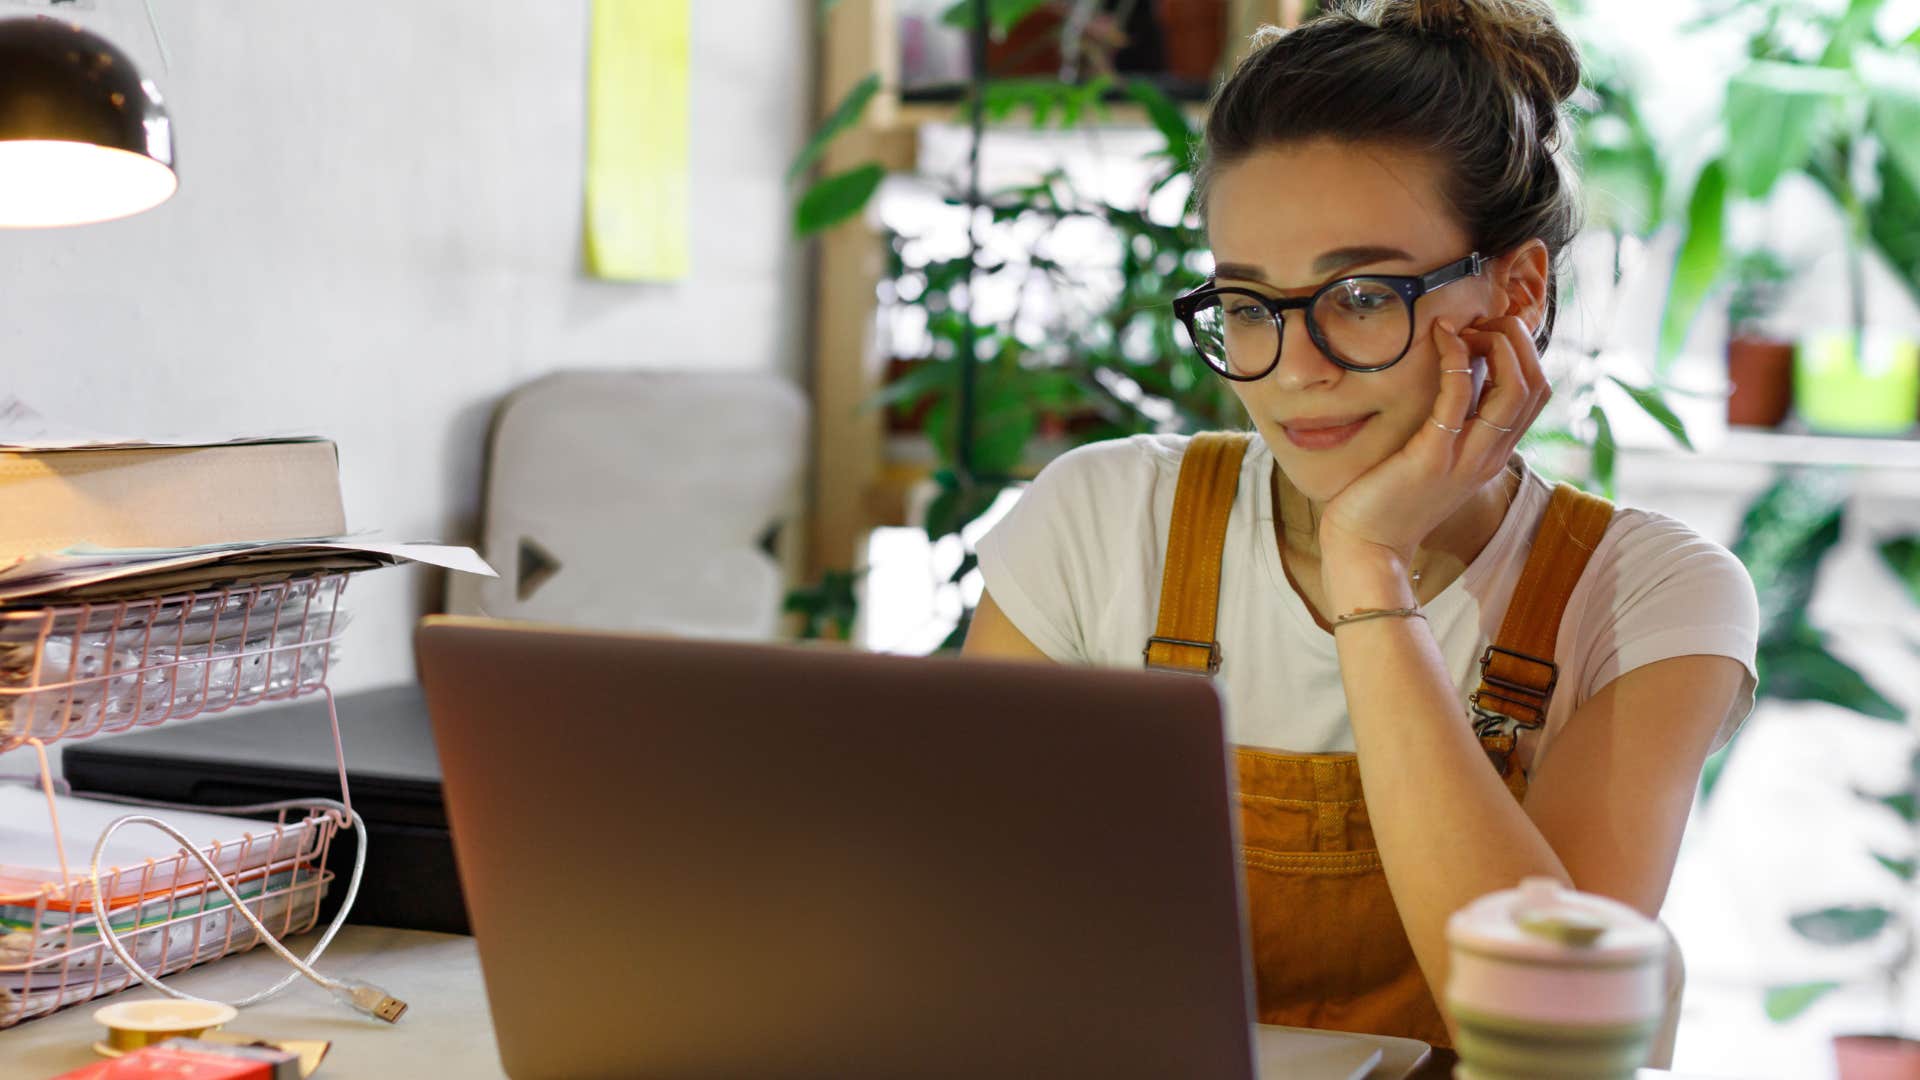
1759 360
1859 381
1829 95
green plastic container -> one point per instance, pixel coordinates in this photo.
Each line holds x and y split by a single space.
1835 392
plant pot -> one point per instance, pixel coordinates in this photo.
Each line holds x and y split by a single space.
1876 1057
906 420
1031 46
1760 370
1838 391
1195 35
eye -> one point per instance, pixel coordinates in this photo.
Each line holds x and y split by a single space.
1245 311
1365 298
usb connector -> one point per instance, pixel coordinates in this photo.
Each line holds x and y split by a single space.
369 999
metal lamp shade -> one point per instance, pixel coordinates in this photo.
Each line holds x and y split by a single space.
82 136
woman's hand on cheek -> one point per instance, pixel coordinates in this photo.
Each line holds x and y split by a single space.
1394 506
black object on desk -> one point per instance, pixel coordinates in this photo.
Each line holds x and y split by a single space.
286 752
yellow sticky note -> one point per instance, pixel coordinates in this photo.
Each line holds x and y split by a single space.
636 175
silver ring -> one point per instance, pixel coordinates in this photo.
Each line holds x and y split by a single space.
1494 426
1443 427
1456 371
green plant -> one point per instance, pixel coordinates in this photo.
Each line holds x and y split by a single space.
1757 278
1826 95
1785 537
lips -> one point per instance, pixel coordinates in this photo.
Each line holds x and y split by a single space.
1323 432
1323 423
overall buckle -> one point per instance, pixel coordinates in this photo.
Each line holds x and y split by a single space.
1212 647
1510 693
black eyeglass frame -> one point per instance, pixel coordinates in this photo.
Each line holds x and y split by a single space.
1410 288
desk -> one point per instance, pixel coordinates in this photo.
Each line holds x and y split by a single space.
446 1032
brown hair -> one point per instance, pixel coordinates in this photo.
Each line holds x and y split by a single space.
1475 84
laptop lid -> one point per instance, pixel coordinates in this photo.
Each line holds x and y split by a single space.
707 859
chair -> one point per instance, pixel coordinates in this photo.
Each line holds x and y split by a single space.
641 501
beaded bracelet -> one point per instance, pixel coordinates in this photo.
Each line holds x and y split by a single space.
1364 614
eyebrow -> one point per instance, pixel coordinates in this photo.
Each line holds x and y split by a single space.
1337 259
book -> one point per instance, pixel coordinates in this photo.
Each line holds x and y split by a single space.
194 1059
144 496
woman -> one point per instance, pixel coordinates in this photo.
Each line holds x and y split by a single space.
1385 202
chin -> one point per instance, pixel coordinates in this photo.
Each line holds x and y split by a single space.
1320 475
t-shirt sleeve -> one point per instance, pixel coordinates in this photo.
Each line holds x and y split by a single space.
1665 591
1041 558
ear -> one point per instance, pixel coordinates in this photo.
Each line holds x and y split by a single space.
1522 275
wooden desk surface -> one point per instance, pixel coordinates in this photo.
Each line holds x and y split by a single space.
447 1031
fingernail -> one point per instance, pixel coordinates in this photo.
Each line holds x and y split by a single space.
1446 325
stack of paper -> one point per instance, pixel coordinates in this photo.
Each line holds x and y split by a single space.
156 895
90 573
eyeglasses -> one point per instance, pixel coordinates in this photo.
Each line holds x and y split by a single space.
1362 323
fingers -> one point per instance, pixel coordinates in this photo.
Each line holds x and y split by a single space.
1455 402
1516 389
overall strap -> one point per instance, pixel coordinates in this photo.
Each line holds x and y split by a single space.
1517 672
1184 639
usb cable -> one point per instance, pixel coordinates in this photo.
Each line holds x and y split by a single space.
360 996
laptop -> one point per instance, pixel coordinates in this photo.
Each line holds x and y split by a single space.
690 858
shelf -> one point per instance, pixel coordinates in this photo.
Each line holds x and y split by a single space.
913 115
1754 447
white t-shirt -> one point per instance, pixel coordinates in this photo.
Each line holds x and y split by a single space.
1076 565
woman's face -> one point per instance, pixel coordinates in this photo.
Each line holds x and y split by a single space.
1288 219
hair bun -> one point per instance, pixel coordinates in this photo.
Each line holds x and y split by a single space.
1521 38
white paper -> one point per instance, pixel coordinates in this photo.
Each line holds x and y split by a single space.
37 575
29 857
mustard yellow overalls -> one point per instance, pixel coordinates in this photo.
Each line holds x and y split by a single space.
1328 947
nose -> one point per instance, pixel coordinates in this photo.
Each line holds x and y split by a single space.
1302 364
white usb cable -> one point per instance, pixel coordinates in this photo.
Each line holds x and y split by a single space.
362 997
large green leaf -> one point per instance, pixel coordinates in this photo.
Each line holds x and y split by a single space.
1901 803
1893 221
1698 262
1786 532
1902 555
1001 14
1167 117
1604 450
1773 111
845 115
1656 406
1841 925
1786 1002
1904 869
1893 86
957 503
1855 27
837 198
1799 668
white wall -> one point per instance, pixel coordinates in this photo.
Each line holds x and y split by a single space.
378 234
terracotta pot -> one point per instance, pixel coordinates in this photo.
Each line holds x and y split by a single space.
902 419
1031 47
1195 32
1054 425
1761 371
1876 1057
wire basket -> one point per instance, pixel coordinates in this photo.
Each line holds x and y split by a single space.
78 670
167 912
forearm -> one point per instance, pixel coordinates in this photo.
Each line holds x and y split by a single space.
1447 828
